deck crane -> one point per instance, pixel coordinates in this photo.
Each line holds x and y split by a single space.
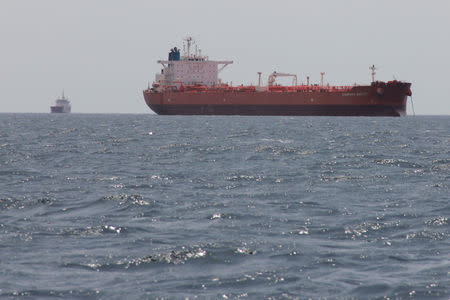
274 75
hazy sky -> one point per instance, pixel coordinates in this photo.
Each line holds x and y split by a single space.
102 53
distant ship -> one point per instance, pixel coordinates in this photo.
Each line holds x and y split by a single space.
62 105
189 85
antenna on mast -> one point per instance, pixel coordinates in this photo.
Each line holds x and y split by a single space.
373 72
321 78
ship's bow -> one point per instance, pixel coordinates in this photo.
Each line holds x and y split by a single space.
393 94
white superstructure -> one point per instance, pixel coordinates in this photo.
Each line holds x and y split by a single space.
189 69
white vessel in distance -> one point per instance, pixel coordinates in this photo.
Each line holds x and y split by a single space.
62 105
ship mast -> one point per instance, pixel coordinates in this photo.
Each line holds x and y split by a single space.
373 72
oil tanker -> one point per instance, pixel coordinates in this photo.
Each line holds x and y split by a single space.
189 85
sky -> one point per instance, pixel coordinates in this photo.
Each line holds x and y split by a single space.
103 53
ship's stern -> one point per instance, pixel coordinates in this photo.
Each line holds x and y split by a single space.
154 100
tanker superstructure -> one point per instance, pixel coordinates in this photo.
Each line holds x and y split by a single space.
189 85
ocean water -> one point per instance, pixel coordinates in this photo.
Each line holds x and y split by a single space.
175 207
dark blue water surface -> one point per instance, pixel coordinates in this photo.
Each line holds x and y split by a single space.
145 206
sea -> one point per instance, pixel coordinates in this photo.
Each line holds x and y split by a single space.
140 206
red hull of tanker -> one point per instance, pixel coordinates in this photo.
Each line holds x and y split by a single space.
379 99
